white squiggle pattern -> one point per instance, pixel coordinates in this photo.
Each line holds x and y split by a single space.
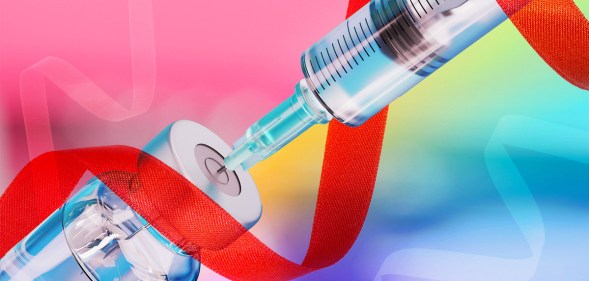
513 131
83 90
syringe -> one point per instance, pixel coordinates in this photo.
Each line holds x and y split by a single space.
365 63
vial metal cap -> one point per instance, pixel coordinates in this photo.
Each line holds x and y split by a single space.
197 153
210 163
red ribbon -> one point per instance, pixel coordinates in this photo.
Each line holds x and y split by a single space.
559 33
190 219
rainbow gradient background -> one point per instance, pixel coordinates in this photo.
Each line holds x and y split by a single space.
224 64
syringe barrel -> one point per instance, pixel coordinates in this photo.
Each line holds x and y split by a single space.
389 46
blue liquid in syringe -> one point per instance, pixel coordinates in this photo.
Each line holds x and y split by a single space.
366 62
389 46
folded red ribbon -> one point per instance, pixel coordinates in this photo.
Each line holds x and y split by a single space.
189 218
555 28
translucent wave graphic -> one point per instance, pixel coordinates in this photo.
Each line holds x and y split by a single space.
512 131
83 90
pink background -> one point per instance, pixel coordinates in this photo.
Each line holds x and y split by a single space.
220 63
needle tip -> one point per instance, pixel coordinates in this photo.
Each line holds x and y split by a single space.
221 170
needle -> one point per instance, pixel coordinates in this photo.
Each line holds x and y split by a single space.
221 170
